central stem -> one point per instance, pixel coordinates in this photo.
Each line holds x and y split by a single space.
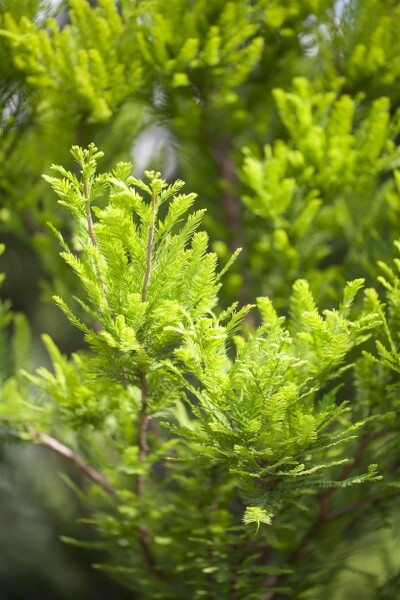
149 247
92 234
143 418
143 424
89 214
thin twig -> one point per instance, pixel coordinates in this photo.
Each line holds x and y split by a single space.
149 248
62 450
145 544
89 214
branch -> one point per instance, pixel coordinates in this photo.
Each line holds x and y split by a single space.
145 544
325 515
219 146
149 248
143 425
70 455
220 150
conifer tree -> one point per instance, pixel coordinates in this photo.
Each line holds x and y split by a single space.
187 441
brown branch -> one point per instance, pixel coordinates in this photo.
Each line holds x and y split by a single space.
145 544
220 150
149 248
59 448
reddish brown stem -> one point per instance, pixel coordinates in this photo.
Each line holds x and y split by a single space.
231 206
145 544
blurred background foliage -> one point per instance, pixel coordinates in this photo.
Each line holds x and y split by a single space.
282 115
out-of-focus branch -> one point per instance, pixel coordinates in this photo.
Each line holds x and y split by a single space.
62 450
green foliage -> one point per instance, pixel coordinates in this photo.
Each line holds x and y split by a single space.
366 50
378 371
163 394
209 45
76 60
325 196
